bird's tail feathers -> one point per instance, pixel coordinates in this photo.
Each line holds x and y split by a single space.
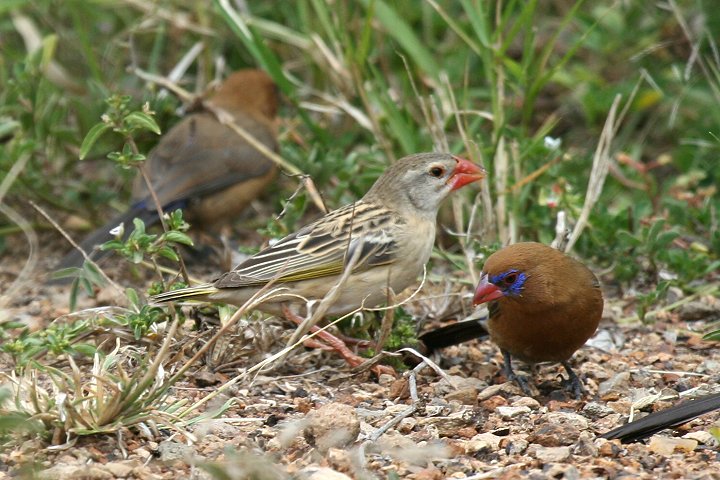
190 293
454 334
670 417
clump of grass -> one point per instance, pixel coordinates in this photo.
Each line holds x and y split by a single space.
104 399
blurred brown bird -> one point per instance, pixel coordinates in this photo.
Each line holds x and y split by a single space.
202 166
670 417
543 307
387 238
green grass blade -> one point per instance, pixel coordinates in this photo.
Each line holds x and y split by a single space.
398 29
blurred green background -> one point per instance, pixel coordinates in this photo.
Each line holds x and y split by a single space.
524 87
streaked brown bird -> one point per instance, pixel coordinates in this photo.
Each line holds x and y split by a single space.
201 165
668 418
543 306
386 238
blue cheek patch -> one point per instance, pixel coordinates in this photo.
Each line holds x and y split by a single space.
516 287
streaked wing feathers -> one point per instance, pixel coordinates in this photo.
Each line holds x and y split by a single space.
322 248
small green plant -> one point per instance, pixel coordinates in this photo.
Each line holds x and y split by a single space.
80 334
646 300
404 331
79 403
57 339
369 327
33 127
120 118
140 245
651 243
142 321
13 423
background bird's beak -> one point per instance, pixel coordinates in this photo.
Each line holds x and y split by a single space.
486 291
465 172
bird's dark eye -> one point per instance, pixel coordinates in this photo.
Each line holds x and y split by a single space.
437 172
510 278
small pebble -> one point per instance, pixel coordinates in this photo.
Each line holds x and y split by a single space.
552 454
568 418
526 402
668 445
618 383
706 438
407 425
514 444
482 443
320 473
697 310
332 425
597 410
512 412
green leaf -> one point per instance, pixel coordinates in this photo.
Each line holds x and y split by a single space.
7 126
629 238
74 293
133 297
49 43
144 121
477 15
111 245
137 257
655 230
12 324
85 349
714 336
712 267
65 273
177 237
168 253
92 137
255 44
664 239
92 274
139 226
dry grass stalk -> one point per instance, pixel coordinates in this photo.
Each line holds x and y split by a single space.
601 164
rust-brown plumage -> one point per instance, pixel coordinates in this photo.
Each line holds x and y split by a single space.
204 167
543 305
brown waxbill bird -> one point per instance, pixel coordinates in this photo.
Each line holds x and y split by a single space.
203 166
543 306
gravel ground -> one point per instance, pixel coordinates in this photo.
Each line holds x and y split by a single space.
310 417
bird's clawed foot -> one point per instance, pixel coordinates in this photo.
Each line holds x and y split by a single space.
513 377
573 383
521 382
334 343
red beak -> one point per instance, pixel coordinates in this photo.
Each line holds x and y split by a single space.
465 172
486 291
